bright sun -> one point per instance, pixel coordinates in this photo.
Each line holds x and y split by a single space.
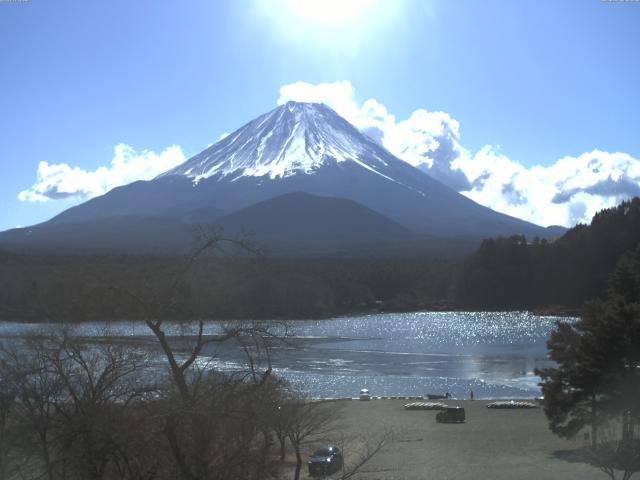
331 12
339 26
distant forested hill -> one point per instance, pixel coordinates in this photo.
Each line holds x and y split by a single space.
511 273
95 287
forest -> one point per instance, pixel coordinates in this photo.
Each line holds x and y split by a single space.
515 273
82 287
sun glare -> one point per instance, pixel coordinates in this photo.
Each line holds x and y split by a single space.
331 12
338 26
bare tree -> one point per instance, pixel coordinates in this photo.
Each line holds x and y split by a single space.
36 395
72 404
211 421
280 419
100 383
613 455
7 401
306 420
360 450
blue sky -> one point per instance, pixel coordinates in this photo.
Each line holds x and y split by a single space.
511 84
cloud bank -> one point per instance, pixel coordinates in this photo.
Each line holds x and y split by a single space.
62 181
569 191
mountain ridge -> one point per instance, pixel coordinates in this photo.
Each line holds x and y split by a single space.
299 147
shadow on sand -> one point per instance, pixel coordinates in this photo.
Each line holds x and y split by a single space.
606 457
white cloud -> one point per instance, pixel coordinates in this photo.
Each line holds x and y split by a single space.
427 140
566 192
60 181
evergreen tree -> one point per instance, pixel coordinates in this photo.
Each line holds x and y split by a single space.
598 360
508 273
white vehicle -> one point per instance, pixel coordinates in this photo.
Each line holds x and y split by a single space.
365 395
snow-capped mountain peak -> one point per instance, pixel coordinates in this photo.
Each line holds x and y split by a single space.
294 138
286 155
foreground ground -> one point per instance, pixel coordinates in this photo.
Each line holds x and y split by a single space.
492 444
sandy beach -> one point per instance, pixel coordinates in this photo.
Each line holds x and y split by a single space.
492 444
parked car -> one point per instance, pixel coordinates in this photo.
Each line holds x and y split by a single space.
451 415
365 395
325 461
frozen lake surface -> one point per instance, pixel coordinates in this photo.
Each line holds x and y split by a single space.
492 353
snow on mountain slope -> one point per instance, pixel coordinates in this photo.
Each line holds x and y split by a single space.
295 138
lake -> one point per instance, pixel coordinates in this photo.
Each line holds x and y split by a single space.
492 353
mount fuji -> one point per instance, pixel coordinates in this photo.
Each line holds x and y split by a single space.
299 177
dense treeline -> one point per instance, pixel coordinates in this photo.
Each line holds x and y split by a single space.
81 287
513 273
504 273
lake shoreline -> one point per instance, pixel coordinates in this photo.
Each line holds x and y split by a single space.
550 311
